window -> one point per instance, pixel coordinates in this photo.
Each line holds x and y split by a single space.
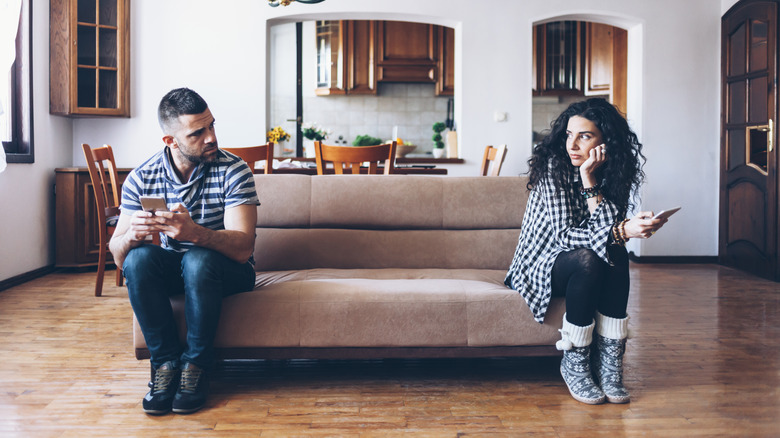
16 125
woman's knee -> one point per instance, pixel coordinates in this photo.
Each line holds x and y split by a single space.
588 262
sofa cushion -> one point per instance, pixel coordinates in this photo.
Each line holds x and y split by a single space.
325 308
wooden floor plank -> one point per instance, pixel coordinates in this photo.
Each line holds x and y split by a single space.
703 361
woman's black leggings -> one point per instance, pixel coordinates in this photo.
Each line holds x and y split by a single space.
590 284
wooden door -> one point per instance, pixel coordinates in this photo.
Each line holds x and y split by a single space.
748 177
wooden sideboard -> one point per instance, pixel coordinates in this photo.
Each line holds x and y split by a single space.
76 226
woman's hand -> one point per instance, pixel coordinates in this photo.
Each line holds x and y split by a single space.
596 157
642 226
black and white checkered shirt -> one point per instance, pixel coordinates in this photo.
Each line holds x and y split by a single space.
556 220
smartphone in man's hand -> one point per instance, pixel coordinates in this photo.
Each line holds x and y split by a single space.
153 204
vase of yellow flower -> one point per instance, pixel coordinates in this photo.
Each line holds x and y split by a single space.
278 136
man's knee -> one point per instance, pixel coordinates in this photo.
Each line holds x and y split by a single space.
200 262
142 259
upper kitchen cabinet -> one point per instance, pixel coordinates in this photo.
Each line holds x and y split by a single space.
559 56
407 52
445 81
353 55
346 57
580 59
606 58
89 58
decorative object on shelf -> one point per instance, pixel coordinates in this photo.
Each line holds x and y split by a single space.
278 137
275 3
438 145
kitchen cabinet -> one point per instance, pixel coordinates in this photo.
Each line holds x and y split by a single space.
353 55
559 58
89 58
580 59
445 81
407 52
606 62
346 57
76 228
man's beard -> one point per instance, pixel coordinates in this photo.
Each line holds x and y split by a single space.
198 159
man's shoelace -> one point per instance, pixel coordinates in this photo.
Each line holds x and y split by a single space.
163 379
189 379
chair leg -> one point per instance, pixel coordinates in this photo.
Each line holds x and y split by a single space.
119 277
100 271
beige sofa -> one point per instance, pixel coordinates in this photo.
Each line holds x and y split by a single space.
382 267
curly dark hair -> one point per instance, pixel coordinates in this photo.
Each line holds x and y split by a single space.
620 173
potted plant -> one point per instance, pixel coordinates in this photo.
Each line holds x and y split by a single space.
438 145
277 136
311 132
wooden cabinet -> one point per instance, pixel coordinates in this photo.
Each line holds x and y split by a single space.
89 58
353 55
581 59
346 57
606 62
407 52
445 81
76 227
559 58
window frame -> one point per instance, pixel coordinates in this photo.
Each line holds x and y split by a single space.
20 148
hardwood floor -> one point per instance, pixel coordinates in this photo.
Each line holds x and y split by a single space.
704 361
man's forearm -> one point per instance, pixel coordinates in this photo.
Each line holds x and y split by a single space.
236 245
119 246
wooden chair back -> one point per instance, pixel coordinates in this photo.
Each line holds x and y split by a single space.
253 154
350 158
492 160
105 183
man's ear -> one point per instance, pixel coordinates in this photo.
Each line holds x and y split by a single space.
170 141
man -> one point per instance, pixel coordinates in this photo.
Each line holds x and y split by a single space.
208 237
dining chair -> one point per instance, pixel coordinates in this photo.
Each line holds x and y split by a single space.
105 184
492 160
253 154
351 158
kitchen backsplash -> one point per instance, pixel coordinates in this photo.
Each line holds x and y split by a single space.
413 108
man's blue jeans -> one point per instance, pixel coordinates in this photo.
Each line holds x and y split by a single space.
204 277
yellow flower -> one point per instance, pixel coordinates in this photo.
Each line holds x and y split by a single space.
277 135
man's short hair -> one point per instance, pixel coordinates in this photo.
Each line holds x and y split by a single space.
177 102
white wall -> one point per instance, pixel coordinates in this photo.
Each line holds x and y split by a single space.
673 96
219 49
26 190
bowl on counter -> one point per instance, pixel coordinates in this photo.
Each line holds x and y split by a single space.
403 149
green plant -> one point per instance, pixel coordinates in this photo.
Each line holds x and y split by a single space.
366 140
438 127
313 132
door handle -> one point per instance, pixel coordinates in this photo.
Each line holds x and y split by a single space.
770 142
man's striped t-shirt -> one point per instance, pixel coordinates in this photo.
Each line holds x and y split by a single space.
212 188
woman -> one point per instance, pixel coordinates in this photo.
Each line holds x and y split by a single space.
572 242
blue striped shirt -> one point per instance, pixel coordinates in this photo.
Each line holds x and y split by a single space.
212 188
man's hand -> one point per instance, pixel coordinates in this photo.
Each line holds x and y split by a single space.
178 224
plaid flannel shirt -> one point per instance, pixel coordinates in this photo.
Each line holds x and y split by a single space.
556 220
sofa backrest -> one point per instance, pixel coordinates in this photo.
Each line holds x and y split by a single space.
397 221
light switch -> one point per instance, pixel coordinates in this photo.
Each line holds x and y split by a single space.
499 116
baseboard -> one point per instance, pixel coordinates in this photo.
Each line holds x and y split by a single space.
678 260
24 278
